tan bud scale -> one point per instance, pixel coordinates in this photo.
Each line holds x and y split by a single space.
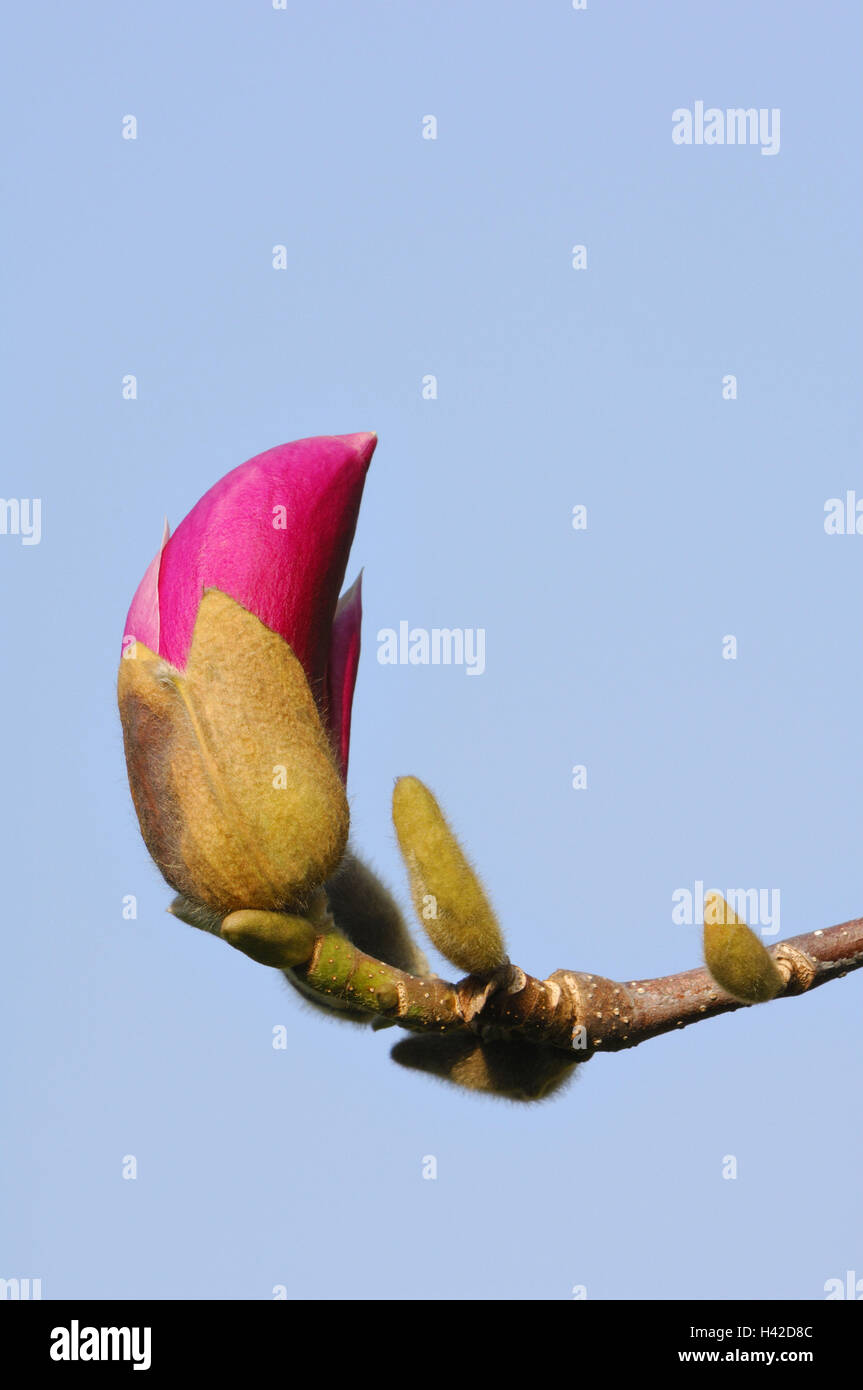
202 746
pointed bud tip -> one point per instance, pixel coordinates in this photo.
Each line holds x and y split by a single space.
364 445
352 595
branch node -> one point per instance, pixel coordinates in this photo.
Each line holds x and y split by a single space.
798 969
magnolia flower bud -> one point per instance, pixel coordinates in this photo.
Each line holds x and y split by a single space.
236 682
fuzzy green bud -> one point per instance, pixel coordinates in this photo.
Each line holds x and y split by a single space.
270 938
448 897
735 957
510 1067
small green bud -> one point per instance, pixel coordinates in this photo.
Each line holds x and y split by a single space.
271 938
448 897
735 957
510 1067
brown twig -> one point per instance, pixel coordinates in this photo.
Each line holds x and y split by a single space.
571 1010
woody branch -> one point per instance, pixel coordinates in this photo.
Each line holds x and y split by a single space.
571 1010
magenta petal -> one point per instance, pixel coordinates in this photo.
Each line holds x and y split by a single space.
142 621
342 669
274 534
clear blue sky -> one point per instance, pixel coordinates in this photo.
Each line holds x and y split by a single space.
452 257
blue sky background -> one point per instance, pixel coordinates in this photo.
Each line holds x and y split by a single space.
405 256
